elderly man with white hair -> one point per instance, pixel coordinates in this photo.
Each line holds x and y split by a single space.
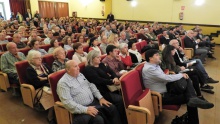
123 37
8 60
180 60
189 42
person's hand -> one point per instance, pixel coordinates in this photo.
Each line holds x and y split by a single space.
185 76
42 78
118 57
182 68
116 81
180 49
198 40
102 102
92 111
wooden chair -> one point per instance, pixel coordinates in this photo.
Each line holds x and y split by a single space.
156 97
63 116
27 90
138 103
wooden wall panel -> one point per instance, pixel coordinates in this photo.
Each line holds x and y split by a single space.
53 9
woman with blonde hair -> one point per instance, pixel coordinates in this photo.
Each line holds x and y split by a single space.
113 40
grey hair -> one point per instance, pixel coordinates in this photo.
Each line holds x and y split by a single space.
187 32
122 33
91 55
31 55
172 41
122 45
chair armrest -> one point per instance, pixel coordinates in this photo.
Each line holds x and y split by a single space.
154 93
188 48
60 104
139 109
31 87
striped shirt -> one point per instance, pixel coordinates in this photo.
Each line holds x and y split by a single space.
8 62
76 93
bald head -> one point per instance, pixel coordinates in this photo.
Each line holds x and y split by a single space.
72 68
12 48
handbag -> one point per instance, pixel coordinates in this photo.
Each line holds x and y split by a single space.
37 105
113 87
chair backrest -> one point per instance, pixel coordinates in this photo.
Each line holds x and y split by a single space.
21 70
86 49
138 46
143 43
48 59
139 69
61 44
45 47
3 47
131 87
182 41
53 80
24 50
69 54
103 56
74 40
158 37
82 66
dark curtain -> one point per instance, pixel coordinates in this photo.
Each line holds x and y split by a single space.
19 6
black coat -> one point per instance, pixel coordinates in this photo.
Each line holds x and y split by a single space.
110 17
177 60
163 40
32 77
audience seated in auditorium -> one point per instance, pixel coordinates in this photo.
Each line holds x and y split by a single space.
54 44
104 76
67 41
195 74
35 46
85 106
49 37
2 39
60 59
104 44
7 62
93 45
125 56
164 39
123 38
81 39
181 60
135 55
113 40
37 75
17 41
113 60
155 79
79 55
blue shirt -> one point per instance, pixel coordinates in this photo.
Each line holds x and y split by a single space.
155 79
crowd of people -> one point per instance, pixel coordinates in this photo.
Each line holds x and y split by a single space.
85 93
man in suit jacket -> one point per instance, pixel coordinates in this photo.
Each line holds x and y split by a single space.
190 43
110 17
28 14
179 59
164 39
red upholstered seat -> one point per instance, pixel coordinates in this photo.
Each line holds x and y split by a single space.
70 54
134 96
82 66
53 80
48 59
61 44
21 70
182 42
168 107
45 47
3 47
86 49
138 45
158 37
24 50
143 43
131 86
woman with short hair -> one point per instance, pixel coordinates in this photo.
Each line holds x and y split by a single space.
79 55
60 59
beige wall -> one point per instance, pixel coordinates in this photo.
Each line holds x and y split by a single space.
168 11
